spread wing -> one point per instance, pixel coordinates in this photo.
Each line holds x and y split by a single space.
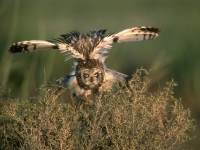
73 44
128 35
92 46
70 43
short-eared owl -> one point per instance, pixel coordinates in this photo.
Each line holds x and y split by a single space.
90 73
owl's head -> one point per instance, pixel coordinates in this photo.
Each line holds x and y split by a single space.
90 74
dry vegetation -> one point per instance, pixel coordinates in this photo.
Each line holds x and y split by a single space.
128 118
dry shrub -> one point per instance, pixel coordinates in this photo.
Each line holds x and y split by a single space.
127 118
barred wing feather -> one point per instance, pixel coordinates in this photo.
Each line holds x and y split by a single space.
30 46
128 35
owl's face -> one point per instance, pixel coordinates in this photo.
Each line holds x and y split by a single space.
91 77
90 74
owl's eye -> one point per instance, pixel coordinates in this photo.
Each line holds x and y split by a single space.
86 75
96 75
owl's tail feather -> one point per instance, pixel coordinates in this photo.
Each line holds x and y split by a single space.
30 46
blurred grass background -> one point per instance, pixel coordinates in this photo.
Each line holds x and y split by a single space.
174 54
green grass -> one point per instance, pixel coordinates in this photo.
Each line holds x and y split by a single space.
128 117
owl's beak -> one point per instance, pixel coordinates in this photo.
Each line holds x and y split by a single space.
91 79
